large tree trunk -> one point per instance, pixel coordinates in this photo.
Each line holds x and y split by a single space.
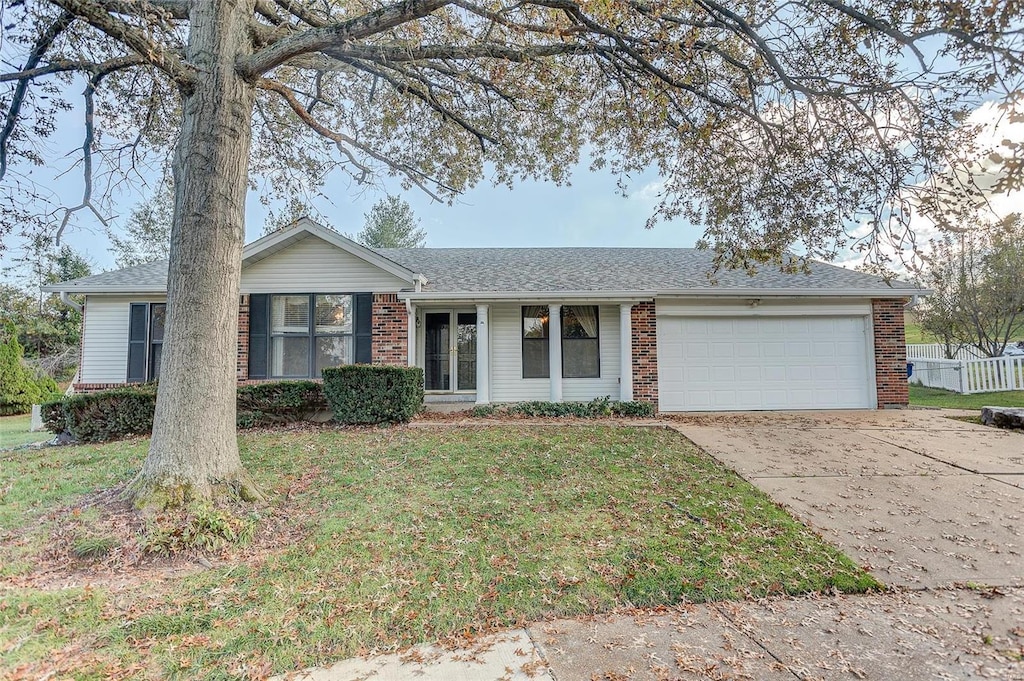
194 451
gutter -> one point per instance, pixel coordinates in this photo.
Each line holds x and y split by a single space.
640 296
70 303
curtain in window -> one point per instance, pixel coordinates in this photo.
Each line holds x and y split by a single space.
586 315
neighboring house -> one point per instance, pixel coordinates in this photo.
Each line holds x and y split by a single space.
514 324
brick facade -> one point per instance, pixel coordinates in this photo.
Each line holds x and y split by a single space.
390 330
890 353
242 363
645 353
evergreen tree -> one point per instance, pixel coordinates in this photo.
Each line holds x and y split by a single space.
392 224
147 233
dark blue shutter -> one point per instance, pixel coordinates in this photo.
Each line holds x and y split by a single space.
363 331
259 334
138 321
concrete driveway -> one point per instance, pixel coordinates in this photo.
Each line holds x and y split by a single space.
919 499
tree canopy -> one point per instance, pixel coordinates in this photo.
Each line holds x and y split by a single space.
147 232
773 124
391 223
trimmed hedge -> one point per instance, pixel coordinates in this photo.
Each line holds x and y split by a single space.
361 394
111 414
267 404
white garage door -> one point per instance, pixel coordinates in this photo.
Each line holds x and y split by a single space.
740 363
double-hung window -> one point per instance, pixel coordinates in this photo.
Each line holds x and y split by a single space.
309 332
581 345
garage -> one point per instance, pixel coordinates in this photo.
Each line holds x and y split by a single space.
772 359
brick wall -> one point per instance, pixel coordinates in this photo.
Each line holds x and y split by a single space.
242 365
645 353
390 330
96 387
890 352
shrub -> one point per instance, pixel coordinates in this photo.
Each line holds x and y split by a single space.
598 407
18 387
53 416
266 404
366 394
110 414
642 410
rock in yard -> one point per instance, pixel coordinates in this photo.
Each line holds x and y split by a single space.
1003 417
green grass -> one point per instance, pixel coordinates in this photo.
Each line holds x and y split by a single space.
14 431
391 537
937 397
917 335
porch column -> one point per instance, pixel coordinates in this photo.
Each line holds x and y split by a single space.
555 351
483 357
626 352
411 312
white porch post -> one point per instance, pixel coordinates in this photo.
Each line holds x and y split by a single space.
555 351
626 352
411 314
483 357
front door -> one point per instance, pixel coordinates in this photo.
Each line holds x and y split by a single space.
444 350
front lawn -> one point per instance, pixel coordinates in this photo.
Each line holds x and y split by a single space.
14 431
384 538
937 397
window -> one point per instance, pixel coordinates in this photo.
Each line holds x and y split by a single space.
308 333
157 320
535 342
146 323
581 348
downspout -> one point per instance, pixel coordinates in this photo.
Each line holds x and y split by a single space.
70 303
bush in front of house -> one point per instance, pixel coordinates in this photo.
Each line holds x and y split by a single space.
105 415
267 404
596 408
363 394
119 412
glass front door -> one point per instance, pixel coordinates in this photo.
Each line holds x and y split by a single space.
443 350
437 372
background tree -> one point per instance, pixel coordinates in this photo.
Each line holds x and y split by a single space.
293 210
773 124
48 330
391 223
978 299
147 233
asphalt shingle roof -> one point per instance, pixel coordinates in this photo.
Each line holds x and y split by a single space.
608 269
467 270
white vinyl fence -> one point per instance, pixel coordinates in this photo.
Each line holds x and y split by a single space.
966 376
938 351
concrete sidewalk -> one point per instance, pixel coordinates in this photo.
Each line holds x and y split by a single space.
948 634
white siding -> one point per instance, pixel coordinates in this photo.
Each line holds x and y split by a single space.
507 382
105 337
313 265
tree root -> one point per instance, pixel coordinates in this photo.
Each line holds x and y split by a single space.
155 495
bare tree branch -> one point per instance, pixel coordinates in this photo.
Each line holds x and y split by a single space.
42 44
63 66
